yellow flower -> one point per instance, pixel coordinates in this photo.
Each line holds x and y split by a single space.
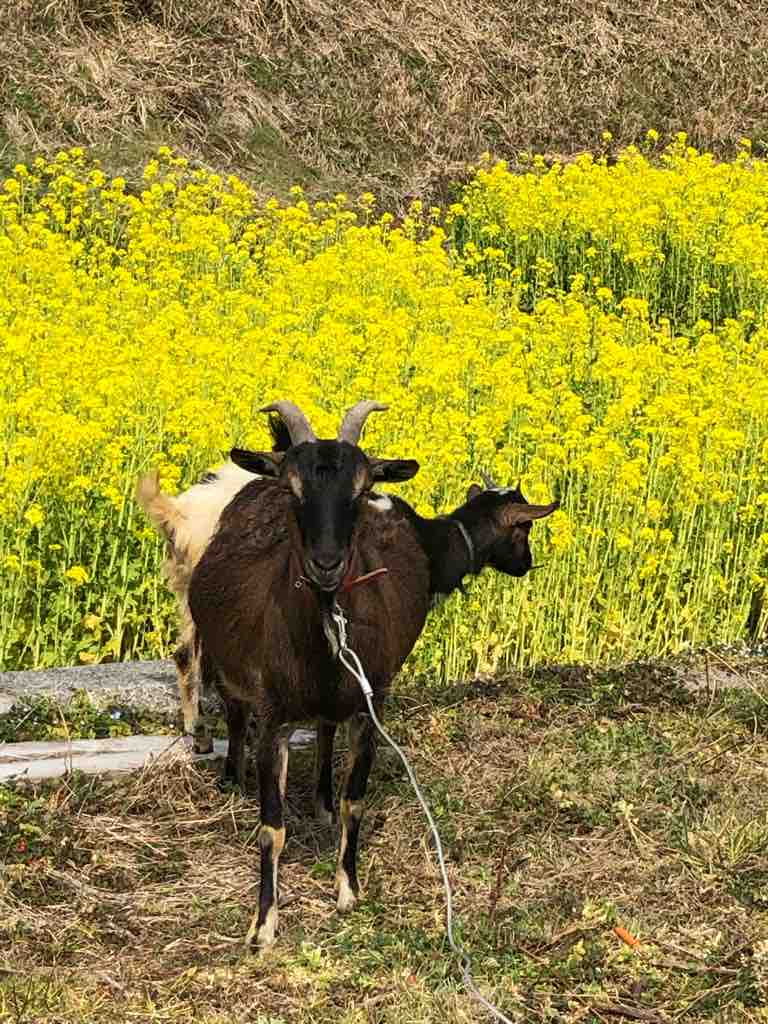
77 574
34 515
649 567
528 326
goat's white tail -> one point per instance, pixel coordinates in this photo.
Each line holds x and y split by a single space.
161 508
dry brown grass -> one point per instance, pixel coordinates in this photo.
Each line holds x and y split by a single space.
393 97
568 805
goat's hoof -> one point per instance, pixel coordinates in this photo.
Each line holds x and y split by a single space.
347 898
202 740
261 937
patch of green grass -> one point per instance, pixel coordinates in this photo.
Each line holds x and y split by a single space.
25 1000
23 99
268 75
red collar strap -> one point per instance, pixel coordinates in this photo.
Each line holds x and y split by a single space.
352 581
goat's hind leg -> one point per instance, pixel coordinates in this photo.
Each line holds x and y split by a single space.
189 686
238 715
195 673
272 764
362 751
206 684
326 732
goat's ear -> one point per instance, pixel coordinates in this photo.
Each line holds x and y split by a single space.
263 463
393 470
516 514
473 491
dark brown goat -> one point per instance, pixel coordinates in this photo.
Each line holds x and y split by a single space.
260 598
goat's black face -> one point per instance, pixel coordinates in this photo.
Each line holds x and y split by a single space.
509 518
327 480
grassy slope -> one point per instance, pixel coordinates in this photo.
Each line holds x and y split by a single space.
394 97
569 803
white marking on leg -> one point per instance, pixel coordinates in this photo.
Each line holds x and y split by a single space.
322 814
283 756
265 935
347 899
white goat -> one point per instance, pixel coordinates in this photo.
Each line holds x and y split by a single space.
187 522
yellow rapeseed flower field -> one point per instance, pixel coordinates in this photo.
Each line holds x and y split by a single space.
597 330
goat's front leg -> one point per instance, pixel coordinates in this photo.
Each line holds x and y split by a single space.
326 732
362 751
272 765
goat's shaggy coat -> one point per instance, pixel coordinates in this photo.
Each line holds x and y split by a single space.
262 630
244 596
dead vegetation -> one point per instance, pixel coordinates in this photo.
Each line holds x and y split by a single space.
395 98
570 805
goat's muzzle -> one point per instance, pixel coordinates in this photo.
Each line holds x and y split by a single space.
326 577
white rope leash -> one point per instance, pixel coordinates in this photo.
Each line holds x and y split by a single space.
351 661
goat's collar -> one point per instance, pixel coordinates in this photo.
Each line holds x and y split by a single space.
469 543
350 581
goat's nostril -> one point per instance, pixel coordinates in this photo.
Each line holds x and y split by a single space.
327 565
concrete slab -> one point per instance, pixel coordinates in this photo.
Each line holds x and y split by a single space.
50 759
148 685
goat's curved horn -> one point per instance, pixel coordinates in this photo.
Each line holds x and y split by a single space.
352 425
294 419
490 484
